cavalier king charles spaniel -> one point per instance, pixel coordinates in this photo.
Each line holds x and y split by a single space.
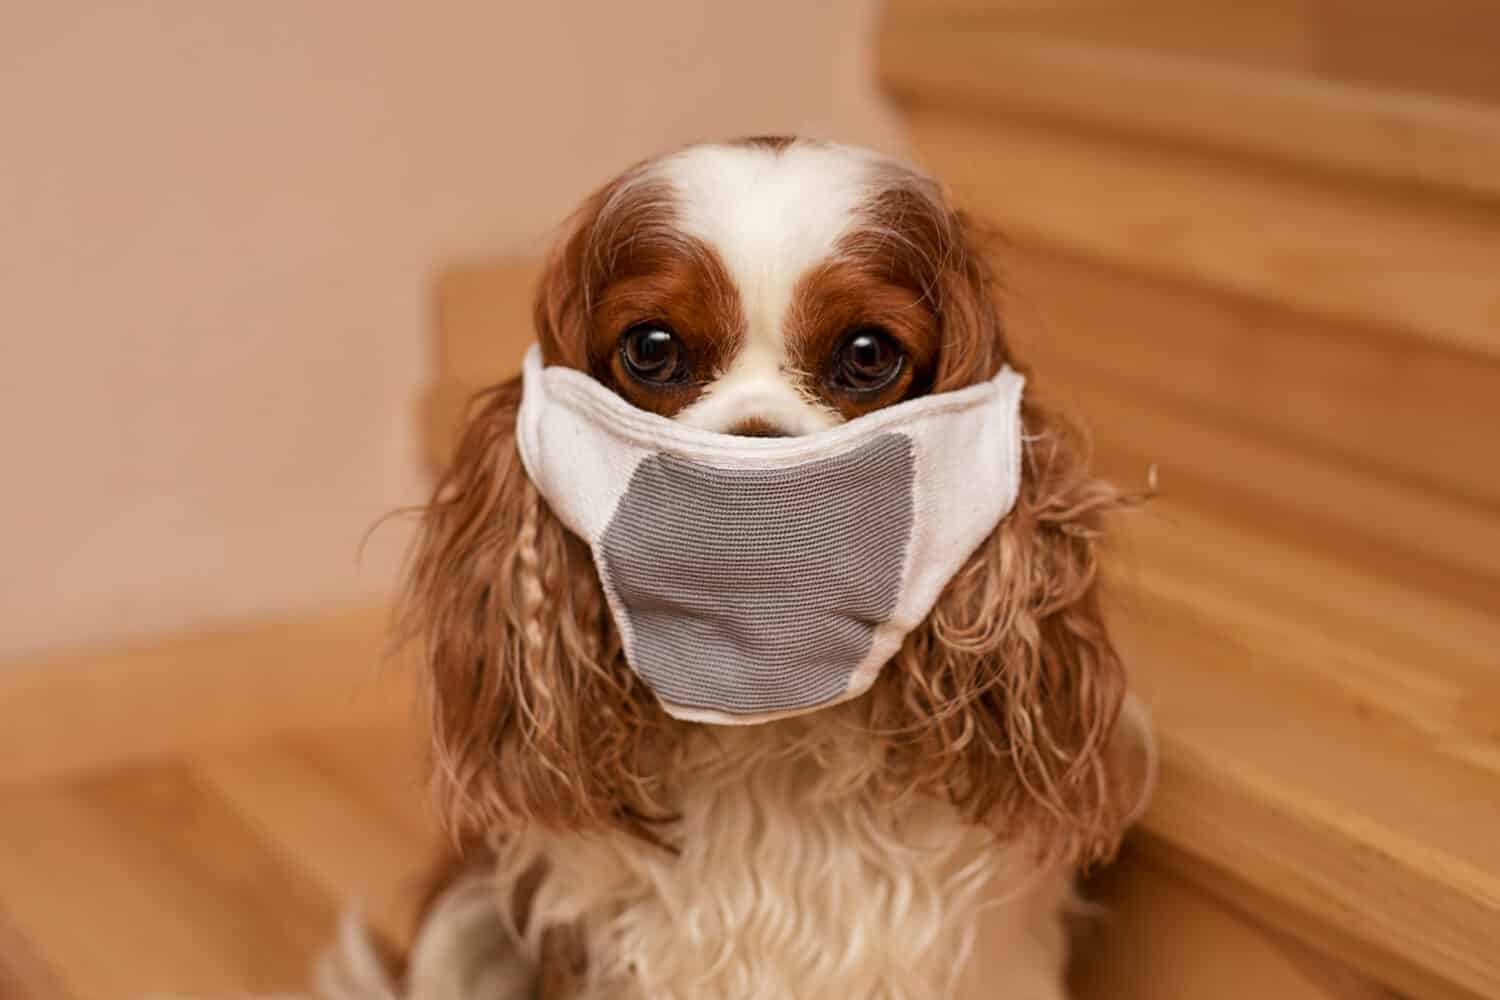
920 840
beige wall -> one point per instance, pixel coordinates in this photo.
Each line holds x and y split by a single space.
218 222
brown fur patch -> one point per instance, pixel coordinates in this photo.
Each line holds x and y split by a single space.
688 291
914 240
840 296
625 263
913 268
535 717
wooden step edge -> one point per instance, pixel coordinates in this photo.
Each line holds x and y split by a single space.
1354 827
1354 396
1324 627
74 711
1143 425
1225 550
1445 143
1325 249
1402 922
1347 967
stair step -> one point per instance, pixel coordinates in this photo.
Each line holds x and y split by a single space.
1339 441
1425 267
1376 403
1240 81
1327 756
1394 525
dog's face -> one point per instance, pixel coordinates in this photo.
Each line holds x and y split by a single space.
769 287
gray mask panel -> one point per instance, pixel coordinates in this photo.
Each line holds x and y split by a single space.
759 590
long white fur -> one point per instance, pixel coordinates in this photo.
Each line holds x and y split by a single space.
792 880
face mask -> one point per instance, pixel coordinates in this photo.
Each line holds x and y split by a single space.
757 578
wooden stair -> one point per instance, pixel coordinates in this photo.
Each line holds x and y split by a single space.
1260 250
1263 256
1388 91
213 871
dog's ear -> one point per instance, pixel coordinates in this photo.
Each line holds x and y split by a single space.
560 311
535 718
1011 689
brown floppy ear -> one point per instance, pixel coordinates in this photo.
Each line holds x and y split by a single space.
567 286
1011 689
535 718
1064 682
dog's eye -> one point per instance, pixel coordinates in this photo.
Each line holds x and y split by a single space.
652 353
867 360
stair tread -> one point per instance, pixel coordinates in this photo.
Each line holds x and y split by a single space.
1342 721
1360 402
1235 80
1421 267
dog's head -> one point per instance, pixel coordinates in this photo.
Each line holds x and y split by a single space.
767 287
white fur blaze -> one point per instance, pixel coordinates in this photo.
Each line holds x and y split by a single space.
771 215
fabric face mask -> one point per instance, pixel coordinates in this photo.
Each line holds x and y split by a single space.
757 578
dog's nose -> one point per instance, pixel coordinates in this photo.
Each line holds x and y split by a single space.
757 427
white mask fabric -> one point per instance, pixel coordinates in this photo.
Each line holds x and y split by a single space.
756 578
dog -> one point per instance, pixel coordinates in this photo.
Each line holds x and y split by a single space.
919 840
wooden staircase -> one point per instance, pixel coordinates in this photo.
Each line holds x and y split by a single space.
1259 249
1261 253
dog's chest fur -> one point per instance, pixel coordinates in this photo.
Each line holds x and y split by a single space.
792 880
